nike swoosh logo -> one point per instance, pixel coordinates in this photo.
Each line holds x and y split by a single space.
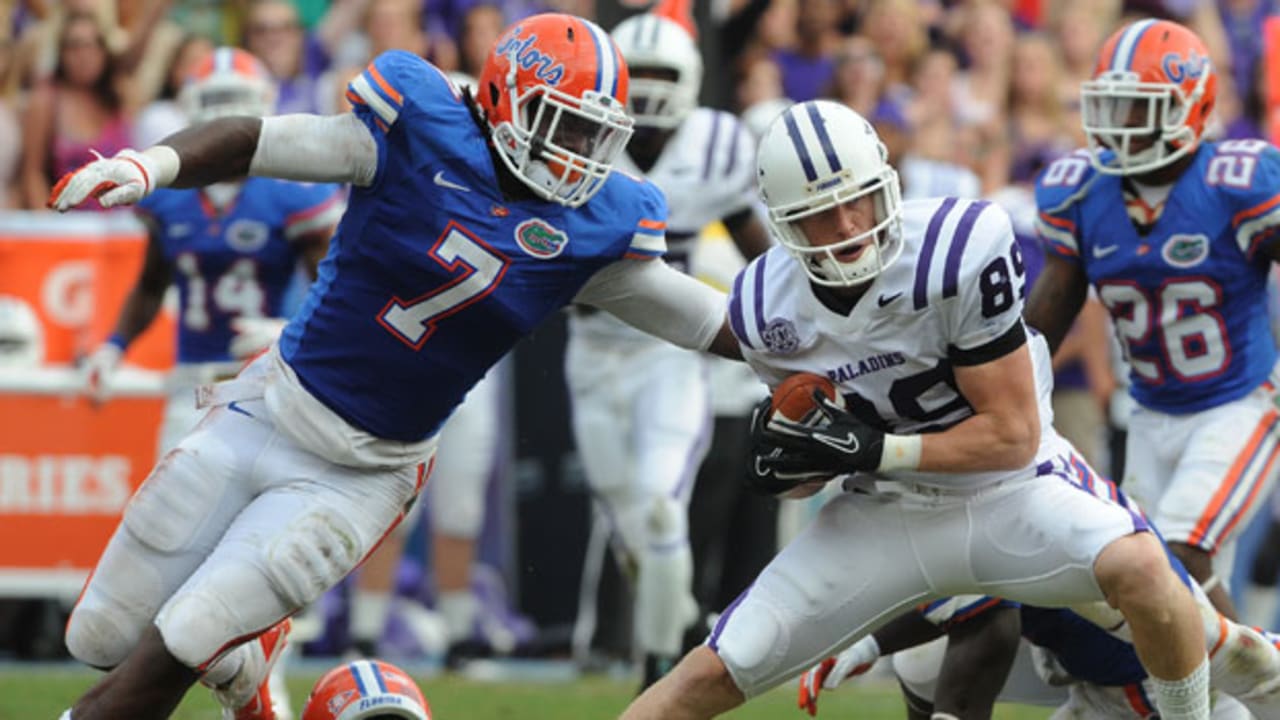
884 300
443 182
234 406
847 444
1101 252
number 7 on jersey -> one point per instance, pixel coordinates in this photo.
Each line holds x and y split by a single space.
479 269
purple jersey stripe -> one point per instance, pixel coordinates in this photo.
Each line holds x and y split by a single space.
758 300
711 147
735 311
920 295
951 273
733 149
713 642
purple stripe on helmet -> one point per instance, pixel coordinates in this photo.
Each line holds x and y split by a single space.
793 132
824 138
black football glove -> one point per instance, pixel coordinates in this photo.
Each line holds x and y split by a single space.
773 469
836 442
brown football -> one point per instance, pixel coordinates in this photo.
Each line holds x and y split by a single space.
793 398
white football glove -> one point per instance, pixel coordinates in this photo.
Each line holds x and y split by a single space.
123 179
855 660
97 369
253 335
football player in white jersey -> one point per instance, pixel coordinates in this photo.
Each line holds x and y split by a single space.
641 406
954 479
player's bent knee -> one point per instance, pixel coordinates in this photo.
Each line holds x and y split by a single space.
1135 572
96 638
320 549
667 520
196 628
170 507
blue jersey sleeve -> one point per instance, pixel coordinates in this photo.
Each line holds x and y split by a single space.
649 234
1248 173
396 87
309 207
1058 189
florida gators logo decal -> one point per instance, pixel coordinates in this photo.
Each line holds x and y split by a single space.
539 239
525 53
1184 251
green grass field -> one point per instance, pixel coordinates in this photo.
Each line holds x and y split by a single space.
28 694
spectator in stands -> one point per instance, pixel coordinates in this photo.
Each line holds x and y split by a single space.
1078 29
982 88
858 80
808 66
80 108
165 115
760 94
297 57
897 30
480 27
10 131
1036 121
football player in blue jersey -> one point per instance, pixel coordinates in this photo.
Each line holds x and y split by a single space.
1177 235
469 222
231 249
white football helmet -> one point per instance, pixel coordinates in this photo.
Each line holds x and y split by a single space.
815 156
228 81
21 339
652 41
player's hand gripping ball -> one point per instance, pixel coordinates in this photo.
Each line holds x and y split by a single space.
794 401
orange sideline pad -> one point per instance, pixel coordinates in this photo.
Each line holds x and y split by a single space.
67 468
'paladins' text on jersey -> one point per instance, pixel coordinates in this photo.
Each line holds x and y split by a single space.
237 261
953 298
433 275
1188 298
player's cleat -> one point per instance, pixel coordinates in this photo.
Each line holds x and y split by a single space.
270 702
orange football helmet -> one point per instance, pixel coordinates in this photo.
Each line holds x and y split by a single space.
554 91
1151 94
365 690
228 81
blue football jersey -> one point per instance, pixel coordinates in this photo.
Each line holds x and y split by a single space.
433 275
1188 298
236 262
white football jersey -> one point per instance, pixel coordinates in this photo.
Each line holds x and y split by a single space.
707 172
953 297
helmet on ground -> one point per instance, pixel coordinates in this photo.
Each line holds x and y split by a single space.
1151 94
21 338
366 690
554 91
818 155
228 81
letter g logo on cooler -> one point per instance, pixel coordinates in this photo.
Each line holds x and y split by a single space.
67 293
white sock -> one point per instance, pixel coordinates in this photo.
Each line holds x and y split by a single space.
459 609
369 614
1185 699
66 716
664 580
943 716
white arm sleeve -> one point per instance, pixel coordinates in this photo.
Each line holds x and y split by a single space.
652 296
316 148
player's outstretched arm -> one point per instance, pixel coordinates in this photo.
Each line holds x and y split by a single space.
311 148
1056 299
